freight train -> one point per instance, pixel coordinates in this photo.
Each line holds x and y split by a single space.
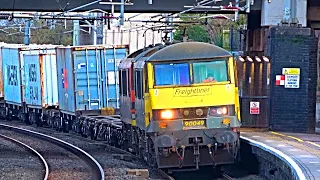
173 105
53 85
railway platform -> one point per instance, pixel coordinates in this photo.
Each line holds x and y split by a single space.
301 152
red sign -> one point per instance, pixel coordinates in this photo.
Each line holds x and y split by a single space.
280 79
65 78
254 107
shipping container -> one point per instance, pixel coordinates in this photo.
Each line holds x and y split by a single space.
39 72
19 63
2 44
11 65
1 75
88 78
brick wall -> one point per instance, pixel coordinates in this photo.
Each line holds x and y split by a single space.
293 110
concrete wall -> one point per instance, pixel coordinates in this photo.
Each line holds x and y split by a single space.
272 13
264 162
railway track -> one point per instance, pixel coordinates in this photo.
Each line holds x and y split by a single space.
114 120
122 151
91 165
226 176
74 138
91 140
30 149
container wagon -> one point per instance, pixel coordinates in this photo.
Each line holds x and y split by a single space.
87 82
2 101
40 84
27 72
1 74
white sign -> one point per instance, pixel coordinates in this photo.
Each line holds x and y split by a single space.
292 81
117 61
81 65
254 107
111 78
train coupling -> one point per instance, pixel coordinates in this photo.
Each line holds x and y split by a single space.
196 151
212 154
181 156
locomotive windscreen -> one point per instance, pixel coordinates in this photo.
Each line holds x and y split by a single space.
179 73
217 70
172 74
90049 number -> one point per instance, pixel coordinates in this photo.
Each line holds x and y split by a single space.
194 124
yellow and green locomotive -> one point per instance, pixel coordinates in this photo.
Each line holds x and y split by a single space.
180 105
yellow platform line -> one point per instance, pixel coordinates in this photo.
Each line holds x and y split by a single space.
277 133
315 144
299 140
292 137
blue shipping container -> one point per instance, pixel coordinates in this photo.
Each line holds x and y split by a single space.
22 76
11 65
88 78
40 77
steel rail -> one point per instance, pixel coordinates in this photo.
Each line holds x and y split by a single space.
167 176
33 151
226 176
98 172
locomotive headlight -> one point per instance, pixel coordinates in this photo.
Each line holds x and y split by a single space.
186 112
199 112
219 111
167 114
222 111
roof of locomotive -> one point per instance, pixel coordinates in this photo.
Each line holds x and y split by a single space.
139 61
138 55
189 50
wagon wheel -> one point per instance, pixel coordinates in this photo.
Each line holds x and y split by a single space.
20 116
65 126
124 137
95 132
49 119
39 120
9 114
23 117
30 119
151 154
107 135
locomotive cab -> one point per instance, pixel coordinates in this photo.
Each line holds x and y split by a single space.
194 90
186 103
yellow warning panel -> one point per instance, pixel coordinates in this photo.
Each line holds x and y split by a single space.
291 71
107 111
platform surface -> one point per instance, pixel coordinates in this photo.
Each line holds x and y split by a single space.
303 149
